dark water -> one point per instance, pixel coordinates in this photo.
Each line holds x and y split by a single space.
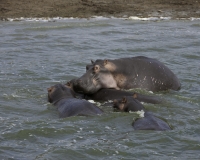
36 55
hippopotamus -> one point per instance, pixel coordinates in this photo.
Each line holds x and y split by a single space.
64 99
111 94
127 73
147 121
106 94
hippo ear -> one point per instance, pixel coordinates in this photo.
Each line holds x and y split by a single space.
96 68
92 61
135 95
105 62
124 100
49 89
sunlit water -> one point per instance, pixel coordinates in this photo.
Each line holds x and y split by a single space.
36 55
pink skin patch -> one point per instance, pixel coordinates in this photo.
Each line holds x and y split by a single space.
108 81
110 66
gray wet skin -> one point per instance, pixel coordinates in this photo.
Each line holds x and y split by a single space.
147 122
63 98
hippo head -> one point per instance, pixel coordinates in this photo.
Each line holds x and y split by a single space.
59 91
95 78
105 64
127 104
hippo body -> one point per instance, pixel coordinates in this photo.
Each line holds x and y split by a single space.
107 94
76 107
150 122
147 98
147 122
127 73
64 99
111 94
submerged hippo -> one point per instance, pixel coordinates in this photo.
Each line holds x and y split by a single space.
107 94
64 99
126 73
147 122
111 94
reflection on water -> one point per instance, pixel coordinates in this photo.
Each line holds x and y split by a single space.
36 55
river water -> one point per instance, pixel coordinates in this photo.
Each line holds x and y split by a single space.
38 54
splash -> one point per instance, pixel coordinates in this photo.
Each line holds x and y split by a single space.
139 113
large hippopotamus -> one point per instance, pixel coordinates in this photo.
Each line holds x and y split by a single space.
127 73
64 99
106 94
147 121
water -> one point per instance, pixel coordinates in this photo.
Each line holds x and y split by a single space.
36 55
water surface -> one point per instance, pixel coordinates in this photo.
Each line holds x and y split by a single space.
37 55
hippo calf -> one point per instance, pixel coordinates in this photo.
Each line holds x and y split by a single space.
147 122
64 99
127 73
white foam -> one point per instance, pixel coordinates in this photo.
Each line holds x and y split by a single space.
99 17
148 19
91 101
42 19
54 19
193 19
107 127
12 95
15 95
151 92
140 113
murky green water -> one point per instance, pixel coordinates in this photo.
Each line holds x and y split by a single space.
36 55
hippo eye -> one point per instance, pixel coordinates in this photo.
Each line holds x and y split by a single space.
96 68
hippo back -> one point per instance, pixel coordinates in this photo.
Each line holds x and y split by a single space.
146 73
150 122
76 107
